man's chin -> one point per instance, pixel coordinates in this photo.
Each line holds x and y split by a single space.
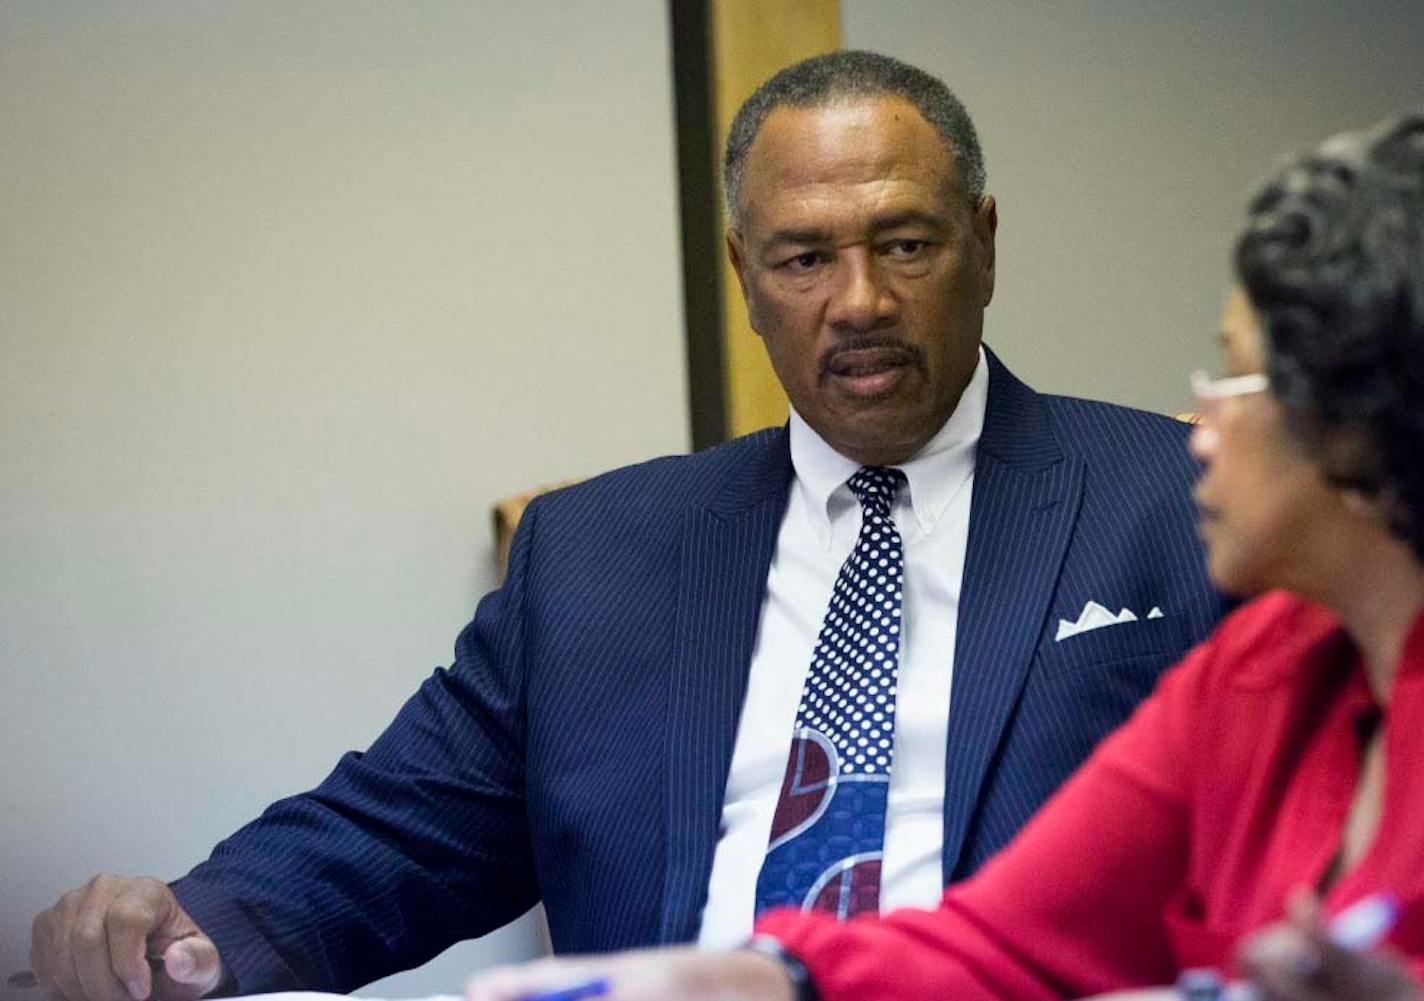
880 436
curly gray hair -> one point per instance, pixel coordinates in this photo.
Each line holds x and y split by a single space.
1332 258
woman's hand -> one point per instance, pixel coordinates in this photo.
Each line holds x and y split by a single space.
1295 960
646 975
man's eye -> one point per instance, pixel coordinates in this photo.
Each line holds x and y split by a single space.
905 248
803 262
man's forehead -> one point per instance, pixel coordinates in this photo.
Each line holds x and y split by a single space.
822 136
861 151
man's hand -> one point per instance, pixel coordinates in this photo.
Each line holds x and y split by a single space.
95 944
1295 960
647 975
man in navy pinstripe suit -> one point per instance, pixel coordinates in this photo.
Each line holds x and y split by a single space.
612 734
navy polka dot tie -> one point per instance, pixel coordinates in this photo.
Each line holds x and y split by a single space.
828 833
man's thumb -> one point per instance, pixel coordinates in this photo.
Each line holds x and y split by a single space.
193 961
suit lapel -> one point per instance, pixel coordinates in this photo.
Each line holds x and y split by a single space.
727 546
1026 497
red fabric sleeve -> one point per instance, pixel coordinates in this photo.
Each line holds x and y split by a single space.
1072 906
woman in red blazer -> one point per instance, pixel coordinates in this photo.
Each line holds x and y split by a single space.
1273 779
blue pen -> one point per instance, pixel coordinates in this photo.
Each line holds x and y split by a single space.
1364 923
596 988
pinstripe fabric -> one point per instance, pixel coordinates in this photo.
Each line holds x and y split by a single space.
577 749
1022 516
723 580
1073 501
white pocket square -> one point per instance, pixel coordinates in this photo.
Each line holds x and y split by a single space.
1095 616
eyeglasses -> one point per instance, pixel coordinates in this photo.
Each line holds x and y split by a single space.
1209 391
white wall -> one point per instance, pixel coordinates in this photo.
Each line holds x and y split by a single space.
290 292
1123 138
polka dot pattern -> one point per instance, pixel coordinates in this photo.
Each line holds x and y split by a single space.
828 832
850 692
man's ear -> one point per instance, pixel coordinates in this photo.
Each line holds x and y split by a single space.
986 226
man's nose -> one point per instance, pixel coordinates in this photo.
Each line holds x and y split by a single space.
862 300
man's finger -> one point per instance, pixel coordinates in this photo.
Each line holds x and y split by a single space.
41 953
89 947
48 957
64 980
193 964
130 922
48 932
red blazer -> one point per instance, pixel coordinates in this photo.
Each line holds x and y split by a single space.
1184 831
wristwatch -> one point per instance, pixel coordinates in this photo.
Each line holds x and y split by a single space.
801 984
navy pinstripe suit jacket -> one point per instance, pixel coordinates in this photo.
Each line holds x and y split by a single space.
577 750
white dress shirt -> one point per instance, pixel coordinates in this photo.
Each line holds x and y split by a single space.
817 533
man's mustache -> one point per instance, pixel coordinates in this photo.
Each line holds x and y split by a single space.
890 350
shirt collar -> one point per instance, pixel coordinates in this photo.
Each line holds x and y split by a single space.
934 474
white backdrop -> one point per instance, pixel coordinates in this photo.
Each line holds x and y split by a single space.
289 294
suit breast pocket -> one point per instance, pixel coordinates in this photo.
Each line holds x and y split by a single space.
1164 639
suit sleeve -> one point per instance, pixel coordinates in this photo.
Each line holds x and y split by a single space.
415 844
1071 907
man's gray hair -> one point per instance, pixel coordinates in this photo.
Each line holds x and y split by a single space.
853 74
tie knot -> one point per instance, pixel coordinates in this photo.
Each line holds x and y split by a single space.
876 486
